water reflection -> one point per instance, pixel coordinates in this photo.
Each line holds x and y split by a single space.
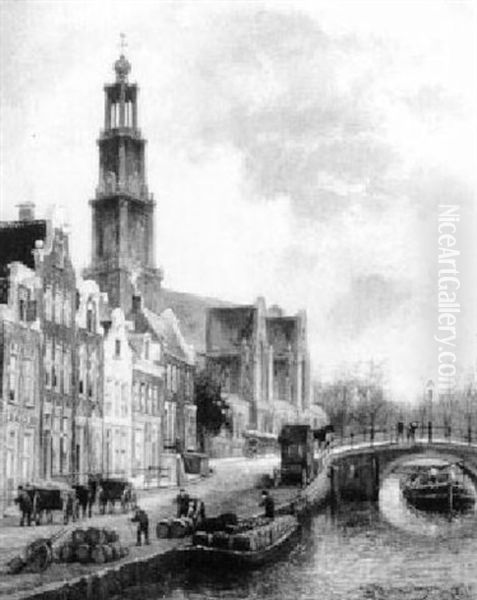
398 512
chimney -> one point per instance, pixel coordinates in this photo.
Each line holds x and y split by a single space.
26 211
136 303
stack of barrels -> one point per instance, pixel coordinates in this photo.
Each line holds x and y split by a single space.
248 535
91 545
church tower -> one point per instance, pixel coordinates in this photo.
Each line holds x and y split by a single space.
123 261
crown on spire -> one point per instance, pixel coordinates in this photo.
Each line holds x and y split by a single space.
122 65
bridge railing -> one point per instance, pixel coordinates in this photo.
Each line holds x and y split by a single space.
420 435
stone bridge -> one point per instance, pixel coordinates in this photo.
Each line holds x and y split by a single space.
356 472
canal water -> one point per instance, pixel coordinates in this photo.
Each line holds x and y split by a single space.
362 551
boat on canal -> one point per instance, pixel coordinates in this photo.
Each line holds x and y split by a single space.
437 489
247 545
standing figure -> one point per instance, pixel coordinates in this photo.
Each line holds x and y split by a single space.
142 520
25 505
68 507
196 511
400 432
182 501
269 503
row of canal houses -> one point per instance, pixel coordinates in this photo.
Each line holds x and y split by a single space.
85 388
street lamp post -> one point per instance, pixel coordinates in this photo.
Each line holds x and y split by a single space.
430 394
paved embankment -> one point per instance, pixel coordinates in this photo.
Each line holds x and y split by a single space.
232 487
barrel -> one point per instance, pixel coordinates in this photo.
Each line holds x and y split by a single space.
95 536
67 552
179 528
163 529
83 553
116 548
110 536
97 555
108 552
79 537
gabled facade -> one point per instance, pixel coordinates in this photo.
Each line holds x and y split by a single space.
57 321
261 360
118 408
147 407
178 361
88 402
20 356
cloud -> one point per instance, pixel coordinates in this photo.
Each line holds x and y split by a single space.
296 151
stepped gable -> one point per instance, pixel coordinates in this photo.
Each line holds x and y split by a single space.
191 312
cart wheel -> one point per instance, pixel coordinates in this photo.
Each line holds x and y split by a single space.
38 556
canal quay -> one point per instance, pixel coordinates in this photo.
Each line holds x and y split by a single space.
376 548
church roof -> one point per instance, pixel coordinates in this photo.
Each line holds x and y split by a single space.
191 312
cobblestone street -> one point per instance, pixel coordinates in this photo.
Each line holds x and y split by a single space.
232 487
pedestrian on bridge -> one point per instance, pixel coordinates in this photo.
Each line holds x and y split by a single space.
269 503
400 432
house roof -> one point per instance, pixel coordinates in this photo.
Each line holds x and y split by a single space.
166 328
17 242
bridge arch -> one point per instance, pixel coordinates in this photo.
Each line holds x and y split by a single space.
358 472
449 457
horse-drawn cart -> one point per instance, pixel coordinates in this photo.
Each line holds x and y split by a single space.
49 496
116 490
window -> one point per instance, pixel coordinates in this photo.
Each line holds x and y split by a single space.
82 371
22 310
66 371
67 309
136 396
12 378
117 398
90 317
117 348
31 310
58 307
48 362
142 397
147 350
108 391
92 376
124 400
48 304
149 400
28 393
56 376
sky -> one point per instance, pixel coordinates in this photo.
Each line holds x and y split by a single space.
296 151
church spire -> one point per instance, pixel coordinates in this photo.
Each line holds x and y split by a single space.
122 65
123 209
